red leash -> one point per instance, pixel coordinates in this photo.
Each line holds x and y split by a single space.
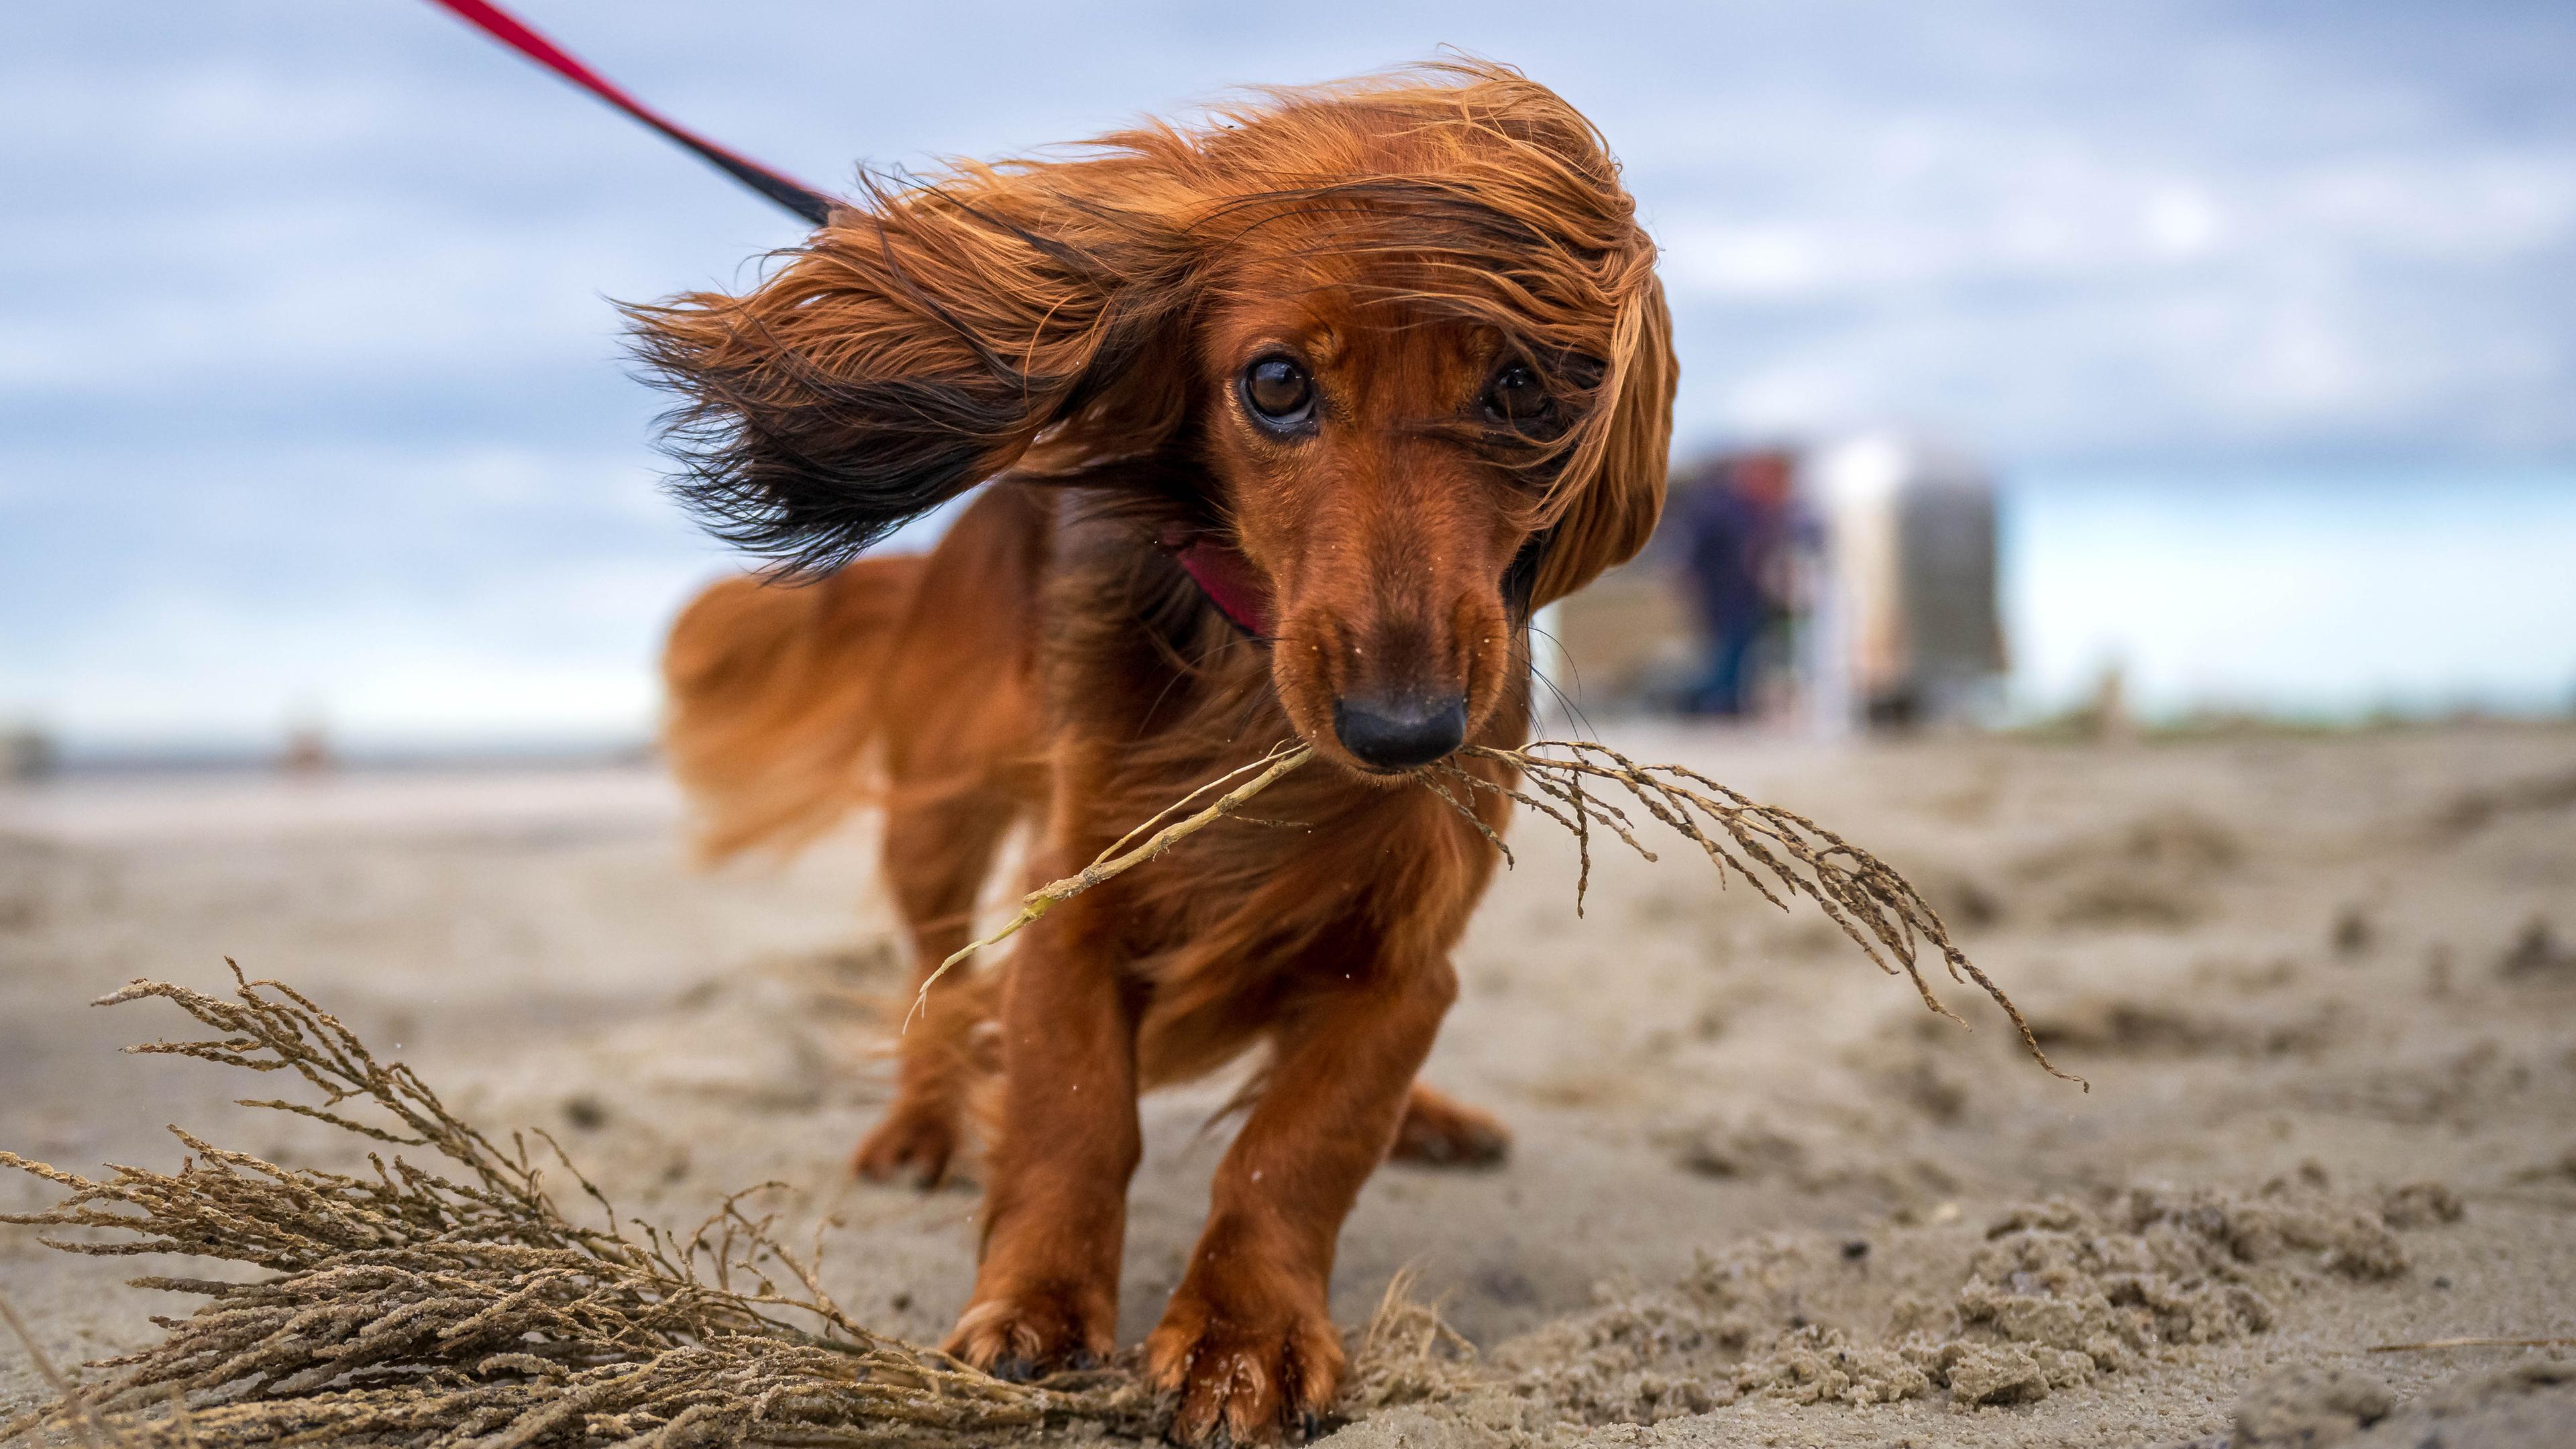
796 196
1227 578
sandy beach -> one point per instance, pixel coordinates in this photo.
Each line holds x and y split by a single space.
2323 989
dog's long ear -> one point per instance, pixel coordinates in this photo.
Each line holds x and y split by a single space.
914 347
1612 513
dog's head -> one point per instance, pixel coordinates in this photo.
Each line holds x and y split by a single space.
1407 329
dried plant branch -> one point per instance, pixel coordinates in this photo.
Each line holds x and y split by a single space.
1778 852
1111 863
1406 1352
72 1403
427 1309
1492 837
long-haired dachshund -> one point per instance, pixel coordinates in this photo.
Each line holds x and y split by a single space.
1291 420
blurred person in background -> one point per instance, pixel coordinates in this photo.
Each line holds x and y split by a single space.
1737 521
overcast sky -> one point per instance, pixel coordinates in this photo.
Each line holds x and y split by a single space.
311 396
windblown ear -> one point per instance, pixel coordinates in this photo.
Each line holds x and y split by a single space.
1613 513
915 347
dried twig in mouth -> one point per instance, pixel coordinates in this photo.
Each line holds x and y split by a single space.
1879 909
1111 863
1777 852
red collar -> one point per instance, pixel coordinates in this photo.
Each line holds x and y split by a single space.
1230 581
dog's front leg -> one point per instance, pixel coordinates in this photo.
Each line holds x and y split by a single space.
1055 1208
1248 1343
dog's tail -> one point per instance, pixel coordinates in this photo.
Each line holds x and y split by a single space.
772 689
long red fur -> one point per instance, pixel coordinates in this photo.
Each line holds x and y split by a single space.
1072 330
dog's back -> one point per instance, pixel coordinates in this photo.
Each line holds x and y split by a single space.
791 704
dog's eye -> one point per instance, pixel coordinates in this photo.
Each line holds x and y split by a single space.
1278 391
1517 396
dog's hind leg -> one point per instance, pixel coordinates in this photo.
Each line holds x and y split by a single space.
938 849
1438 1130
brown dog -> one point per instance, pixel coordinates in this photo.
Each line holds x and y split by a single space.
1293 418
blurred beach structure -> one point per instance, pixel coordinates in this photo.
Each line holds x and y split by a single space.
1846 586
1922 592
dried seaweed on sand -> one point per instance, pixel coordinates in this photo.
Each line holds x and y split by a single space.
418 1308
1407 1353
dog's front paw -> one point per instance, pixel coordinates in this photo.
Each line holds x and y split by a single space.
1029 1332
1246 1371
1438 1130
914 1141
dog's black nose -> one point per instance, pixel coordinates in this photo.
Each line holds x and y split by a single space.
1400 734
